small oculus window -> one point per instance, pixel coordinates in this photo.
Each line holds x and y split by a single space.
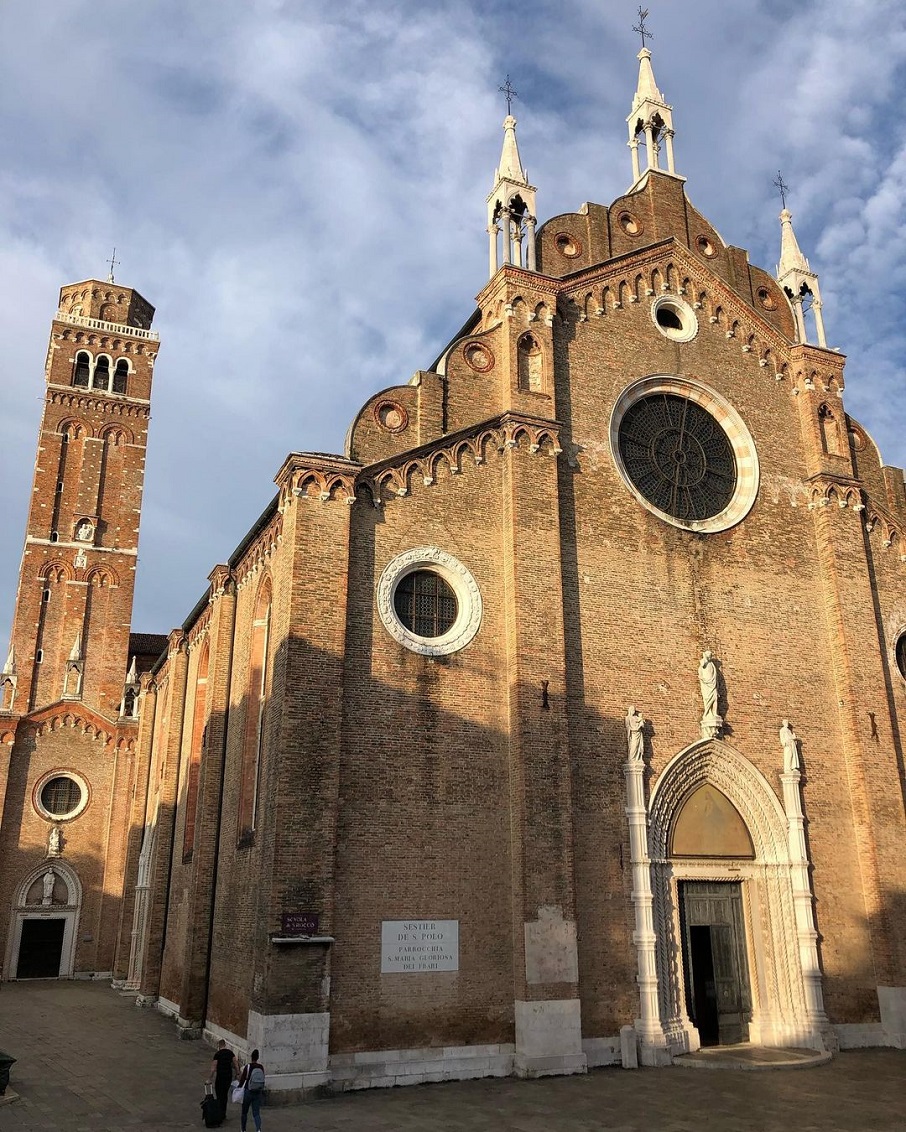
429 601
60 797
674 318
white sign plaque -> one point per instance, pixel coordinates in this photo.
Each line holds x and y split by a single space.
415 946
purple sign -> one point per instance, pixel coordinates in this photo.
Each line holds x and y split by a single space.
300 923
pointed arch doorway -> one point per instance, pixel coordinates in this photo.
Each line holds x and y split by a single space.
44 926
727 943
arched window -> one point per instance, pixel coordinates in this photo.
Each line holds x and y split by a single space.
119 376
199 729
102 373
529 364
81 371
256 699
830 437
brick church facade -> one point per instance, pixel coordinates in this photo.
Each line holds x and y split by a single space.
555 722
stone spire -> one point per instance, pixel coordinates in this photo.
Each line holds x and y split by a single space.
131 689
650 120
511 207
75 653
9 669
798 280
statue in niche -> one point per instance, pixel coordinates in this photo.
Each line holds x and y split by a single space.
54 842
635 735
50 878
707 680
790 745
84 531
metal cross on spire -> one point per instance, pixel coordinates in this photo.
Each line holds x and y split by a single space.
641 29
510 93
783 188
113 262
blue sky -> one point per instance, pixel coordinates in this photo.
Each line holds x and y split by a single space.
299 189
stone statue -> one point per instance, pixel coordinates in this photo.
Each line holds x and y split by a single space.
54 842
49 880
707 680
84 531
635 735
790 747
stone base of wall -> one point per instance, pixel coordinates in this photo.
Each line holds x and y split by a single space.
377 1069
866 1035
602 1051
892 1001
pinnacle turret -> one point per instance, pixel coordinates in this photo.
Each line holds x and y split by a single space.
650 120
511 205
798 280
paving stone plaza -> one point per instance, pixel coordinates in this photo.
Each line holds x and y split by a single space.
89 1060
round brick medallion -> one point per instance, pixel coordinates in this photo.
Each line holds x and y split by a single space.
478 356
391 416
630 224
705 247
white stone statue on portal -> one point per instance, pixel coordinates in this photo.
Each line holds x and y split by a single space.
49 880
635 735
711 722
790 746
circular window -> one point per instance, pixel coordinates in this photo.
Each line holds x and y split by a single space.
684 453
567 245
766 299
900 653
674 318
429 601
705 246
61 796
426 604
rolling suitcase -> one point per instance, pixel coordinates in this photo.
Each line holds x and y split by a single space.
210 1108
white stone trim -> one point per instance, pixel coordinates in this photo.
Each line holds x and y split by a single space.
460 579
166 1007
747 468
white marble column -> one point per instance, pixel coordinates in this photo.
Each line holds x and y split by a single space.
648 1026
819 323
806 932
493 232
530 242
668 134
506 222
634 150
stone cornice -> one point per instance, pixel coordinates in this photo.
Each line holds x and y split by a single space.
112 405
68 713
392 478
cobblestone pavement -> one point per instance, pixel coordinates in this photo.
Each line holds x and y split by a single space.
89 1059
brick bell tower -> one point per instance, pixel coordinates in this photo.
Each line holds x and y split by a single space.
70 637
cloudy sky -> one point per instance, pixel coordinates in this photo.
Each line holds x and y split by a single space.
299 189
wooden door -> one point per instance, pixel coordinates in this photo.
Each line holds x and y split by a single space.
716 907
